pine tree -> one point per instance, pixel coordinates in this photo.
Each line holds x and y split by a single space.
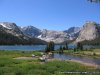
66 46
50 47
61 49
79 46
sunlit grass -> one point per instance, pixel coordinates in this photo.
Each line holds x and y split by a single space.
10 66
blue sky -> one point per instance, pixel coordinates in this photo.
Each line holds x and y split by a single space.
49 14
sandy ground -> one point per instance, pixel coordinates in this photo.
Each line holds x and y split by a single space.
25 58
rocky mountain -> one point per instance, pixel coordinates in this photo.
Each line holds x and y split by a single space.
51 35
31 31
73 32
11 34
90 31
55 36
11 28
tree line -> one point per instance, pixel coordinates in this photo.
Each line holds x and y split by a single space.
51 47
9 39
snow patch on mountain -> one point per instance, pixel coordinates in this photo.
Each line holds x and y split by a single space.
5 25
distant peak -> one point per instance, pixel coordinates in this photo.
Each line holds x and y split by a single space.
8 25
92 22
89 24
30 26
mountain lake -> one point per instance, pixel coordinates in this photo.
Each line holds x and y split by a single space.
55 55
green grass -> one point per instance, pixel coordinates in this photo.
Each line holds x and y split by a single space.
13 54
10 66
92 52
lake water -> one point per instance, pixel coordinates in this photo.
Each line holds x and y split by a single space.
37 47
28 47
79 58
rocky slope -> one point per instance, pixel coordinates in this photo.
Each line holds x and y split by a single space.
90 31
73 32
55 36
31 31
51 35
11 34
11 28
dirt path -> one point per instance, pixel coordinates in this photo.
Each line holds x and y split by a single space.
26 58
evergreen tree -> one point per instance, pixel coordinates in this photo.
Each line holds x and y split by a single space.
66 46
79 46
50 46
75 49
61 49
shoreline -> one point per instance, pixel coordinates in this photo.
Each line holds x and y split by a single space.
86 64
84 55
78 61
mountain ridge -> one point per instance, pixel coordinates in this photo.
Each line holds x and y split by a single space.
11 34
89 31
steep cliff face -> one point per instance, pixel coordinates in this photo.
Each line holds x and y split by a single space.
90 31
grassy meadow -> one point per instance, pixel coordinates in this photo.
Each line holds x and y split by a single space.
11 66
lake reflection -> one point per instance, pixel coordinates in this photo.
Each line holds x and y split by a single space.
79 58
